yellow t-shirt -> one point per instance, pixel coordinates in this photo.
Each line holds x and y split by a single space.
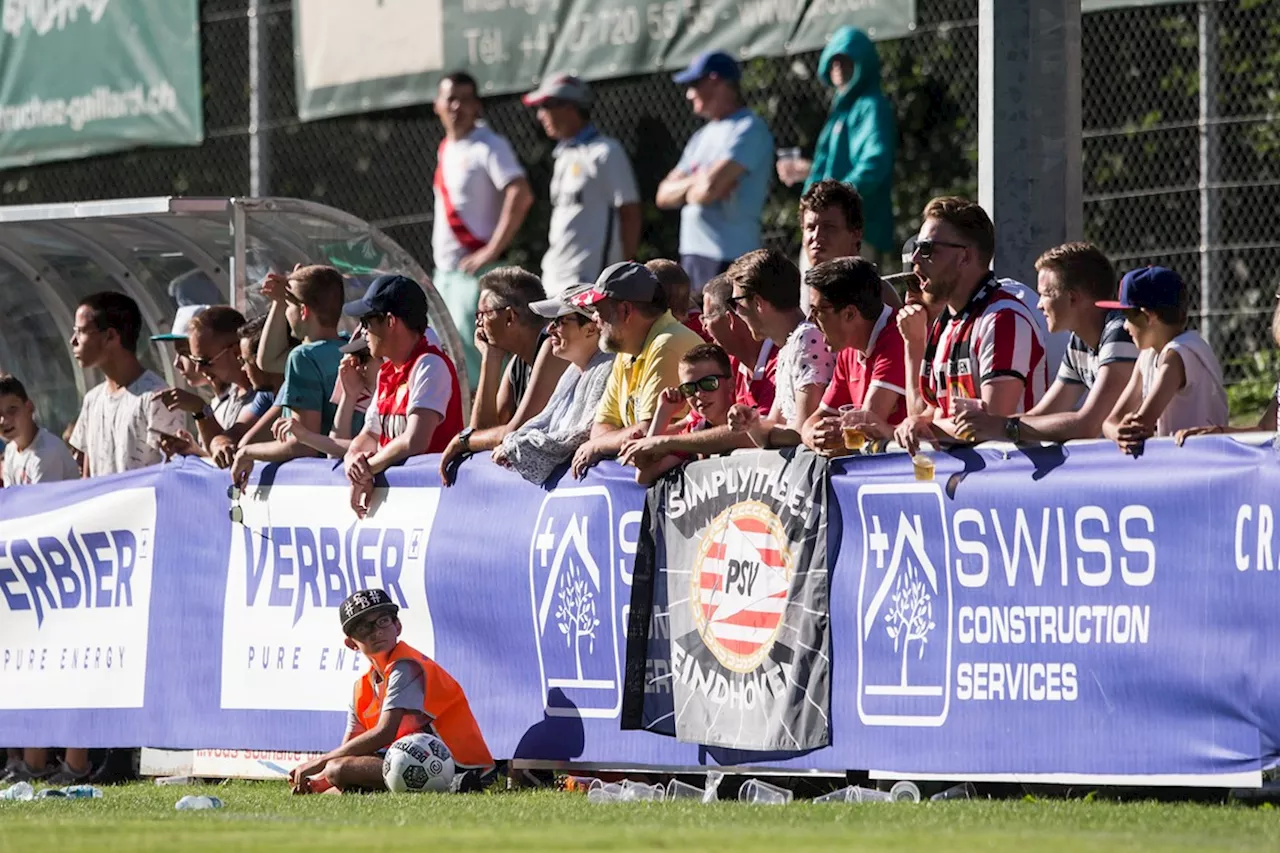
637 381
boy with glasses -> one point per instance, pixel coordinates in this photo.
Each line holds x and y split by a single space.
707 386
403 692
308 305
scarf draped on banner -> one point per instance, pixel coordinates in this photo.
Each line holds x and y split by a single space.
728 641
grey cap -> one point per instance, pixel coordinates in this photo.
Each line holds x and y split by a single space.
556 306
561 87
358 343
627 281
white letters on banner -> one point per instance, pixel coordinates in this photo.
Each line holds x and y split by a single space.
75 597
298 553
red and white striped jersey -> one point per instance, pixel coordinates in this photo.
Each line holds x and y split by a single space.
995 336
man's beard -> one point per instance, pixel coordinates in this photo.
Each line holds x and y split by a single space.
609 341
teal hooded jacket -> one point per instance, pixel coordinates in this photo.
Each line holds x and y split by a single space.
858 142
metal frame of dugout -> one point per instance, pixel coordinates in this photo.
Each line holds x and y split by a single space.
165 252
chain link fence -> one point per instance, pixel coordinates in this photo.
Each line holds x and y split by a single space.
1150 195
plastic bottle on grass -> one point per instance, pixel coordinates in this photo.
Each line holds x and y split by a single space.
21 791
82 792
963 791
192 803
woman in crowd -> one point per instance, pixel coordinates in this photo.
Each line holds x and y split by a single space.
549 439
506 398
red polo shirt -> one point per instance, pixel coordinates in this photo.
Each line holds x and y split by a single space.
883 365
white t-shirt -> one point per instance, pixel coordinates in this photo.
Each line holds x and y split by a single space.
45 460
476 171
592 179
429 387
803 360
1202 400
116 431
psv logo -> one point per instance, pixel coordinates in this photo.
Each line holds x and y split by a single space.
739 585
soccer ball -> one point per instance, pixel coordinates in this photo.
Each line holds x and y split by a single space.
418 762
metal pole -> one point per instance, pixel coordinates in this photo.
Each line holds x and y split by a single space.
259 89
1029 143
1210 265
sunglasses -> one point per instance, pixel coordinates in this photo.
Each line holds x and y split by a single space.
206 362
924 248
557 322
706 383
367 627
369 319
735 302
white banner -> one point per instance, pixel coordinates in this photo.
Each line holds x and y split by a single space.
298 553
75 599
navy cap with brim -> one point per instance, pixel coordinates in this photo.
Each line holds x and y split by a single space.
1147 287
715 62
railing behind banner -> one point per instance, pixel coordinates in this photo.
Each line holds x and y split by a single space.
1124 605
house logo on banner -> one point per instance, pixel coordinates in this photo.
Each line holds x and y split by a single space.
573 595
739 585
75 603
904 606
298 554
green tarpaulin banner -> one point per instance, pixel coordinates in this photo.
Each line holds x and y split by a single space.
83 77
360 55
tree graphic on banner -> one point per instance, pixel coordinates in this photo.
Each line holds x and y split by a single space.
576 612
910 615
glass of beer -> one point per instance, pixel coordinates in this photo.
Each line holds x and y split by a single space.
851 426
923 466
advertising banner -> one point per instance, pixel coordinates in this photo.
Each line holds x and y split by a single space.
94 76
509 45
1060 614
731 576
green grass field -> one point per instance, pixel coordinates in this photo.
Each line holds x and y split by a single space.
141 817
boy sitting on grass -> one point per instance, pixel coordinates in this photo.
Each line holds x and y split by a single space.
403 693
707 383
1177 383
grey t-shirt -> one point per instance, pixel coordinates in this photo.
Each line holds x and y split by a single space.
406 689
46 459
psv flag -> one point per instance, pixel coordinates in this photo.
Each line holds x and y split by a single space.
728 636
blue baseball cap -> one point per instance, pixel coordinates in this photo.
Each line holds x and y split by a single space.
1149 287
397 295
715 62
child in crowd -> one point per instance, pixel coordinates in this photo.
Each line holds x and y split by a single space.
307 304
402 693
1268 421
707 383
357 380
1177 382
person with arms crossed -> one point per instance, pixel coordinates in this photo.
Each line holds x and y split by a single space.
870 372
481 199
766 295
595 205
722 179
1099 359
306 304
630 307
986 347
1177 383
417 408
402 693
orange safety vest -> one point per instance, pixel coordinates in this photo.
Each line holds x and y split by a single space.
448 715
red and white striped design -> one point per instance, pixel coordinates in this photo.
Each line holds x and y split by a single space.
741 615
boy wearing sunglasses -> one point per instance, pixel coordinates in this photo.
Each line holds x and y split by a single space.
403 692
707 386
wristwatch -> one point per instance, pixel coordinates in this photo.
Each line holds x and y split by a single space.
464 439
1013 429
203 413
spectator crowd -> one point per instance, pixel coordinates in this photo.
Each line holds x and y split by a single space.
729 346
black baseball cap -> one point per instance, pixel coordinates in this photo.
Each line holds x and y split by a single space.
627 281
397 295
364 602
